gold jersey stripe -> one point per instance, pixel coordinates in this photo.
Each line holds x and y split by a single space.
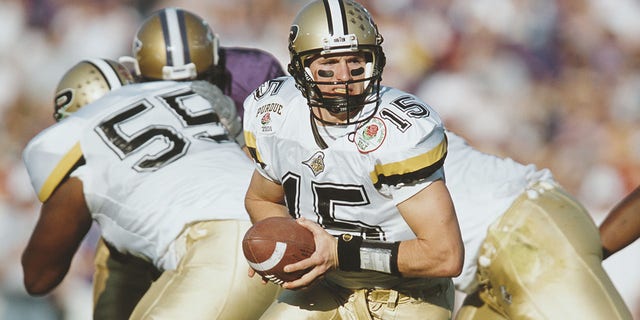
250 141
60 172
412 169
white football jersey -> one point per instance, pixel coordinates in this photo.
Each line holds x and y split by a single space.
353 185
153 158
482 188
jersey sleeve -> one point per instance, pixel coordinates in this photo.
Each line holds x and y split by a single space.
421 159
250 126
51 156
265 115
249 129
412 158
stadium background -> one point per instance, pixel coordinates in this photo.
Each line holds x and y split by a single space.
550 82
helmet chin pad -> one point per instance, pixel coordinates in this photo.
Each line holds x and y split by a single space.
131 64
358 108
183 72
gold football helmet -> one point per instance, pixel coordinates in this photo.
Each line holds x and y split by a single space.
175 44
330 27
87 81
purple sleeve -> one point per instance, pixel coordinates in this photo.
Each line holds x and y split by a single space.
249 68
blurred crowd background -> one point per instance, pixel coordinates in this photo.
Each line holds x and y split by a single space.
550 82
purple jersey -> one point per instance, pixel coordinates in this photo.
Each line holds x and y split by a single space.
248 68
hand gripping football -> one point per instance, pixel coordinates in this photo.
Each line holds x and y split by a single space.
275 242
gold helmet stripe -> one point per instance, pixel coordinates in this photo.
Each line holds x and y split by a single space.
107 72
174 30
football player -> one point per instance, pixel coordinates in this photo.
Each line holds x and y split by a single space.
361 166
175 44
154 165
519 227
531 250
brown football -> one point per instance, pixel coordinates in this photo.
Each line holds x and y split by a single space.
272 243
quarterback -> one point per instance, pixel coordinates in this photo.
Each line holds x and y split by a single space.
154 165
361 166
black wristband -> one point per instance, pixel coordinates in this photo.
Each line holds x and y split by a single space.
378 255
394 258
349 252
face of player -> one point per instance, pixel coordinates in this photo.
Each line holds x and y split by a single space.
335 70
338 76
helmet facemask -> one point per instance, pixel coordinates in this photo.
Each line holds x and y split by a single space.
365 103
345 28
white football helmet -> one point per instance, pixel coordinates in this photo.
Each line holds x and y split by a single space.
326 27
87 81
175 44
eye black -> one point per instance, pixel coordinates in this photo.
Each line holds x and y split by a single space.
357 72
325 73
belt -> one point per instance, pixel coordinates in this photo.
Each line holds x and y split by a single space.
127 258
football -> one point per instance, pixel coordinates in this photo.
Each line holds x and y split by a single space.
272 243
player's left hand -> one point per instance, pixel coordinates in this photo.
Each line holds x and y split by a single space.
325 257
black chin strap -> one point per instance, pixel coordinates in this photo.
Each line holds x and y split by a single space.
316 135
